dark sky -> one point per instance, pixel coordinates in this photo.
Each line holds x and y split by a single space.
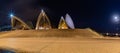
95 14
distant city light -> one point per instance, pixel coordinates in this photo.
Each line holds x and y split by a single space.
107 33
116 34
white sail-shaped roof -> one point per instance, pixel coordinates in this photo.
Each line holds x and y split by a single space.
69 21
62 24
18 24
43 22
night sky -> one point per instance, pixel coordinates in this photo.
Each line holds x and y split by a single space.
95 14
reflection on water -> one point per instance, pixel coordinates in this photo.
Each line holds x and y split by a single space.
6 51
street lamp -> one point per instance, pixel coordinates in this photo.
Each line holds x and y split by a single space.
116 19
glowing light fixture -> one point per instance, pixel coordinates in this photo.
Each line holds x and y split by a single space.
11 15
116 18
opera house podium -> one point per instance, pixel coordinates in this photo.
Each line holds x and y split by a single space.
57 41
45 39
37 41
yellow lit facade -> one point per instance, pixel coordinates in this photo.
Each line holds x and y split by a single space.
62 24
43 22
18 24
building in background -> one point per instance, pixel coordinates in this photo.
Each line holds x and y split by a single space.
62 24
18 24
43 21
69 21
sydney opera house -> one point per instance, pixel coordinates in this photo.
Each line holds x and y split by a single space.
45 39
43 22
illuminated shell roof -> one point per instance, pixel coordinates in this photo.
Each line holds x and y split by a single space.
43 22
69 21
62 24
18 24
